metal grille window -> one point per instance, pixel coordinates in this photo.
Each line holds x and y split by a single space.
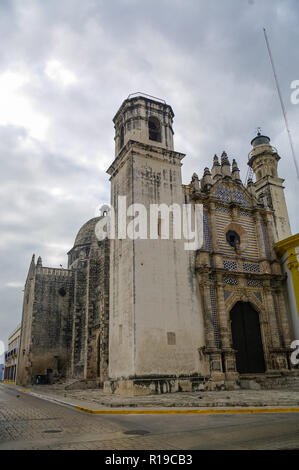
231 281
251 268
254 283
230 265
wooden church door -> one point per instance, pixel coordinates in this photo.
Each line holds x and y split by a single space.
247 339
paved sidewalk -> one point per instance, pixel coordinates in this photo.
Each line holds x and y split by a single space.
95 398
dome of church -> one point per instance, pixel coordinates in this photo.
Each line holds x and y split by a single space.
86 234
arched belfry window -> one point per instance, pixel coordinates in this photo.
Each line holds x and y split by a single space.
154 129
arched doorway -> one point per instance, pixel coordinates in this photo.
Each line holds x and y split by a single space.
247 340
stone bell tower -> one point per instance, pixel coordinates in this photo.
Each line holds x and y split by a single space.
143 120
263 159
155 321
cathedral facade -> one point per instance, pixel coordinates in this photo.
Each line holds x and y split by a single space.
142 315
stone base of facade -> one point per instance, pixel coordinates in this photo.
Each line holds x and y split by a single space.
219 381
159 385
152 385
270 380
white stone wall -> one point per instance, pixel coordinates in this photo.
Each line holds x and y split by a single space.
153 284
121 304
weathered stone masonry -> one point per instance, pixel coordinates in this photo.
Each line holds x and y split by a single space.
65 321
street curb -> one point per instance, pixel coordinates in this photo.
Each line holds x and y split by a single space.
189 412
42 397
172 411
167 412
51 399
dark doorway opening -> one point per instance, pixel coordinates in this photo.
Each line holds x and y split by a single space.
154 129
247 340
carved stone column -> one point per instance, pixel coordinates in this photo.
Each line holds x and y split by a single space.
260 237
285 324
222 316
285 330
228 354
211 347
275 341
270 233
208 317
277 351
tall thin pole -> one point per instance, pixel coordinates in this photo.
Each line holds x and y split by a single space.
282 104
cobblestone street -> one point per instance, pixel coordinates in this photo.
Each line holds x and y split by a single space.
27 422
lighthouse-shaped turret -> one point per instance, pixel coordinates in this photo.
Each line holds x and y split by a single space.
263 159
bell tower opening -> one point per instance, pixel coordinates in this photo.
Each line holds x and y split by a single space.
154 129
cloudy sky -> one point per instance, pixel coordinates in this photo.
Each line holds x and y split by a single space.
67 65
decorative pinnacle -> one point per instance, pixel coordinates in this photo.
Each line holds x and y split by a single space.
235 166
206 171
215 160
224 158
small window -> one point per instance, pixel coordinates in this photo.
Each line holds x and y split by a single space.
171 340
62 291
154 129
259 175
159 227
